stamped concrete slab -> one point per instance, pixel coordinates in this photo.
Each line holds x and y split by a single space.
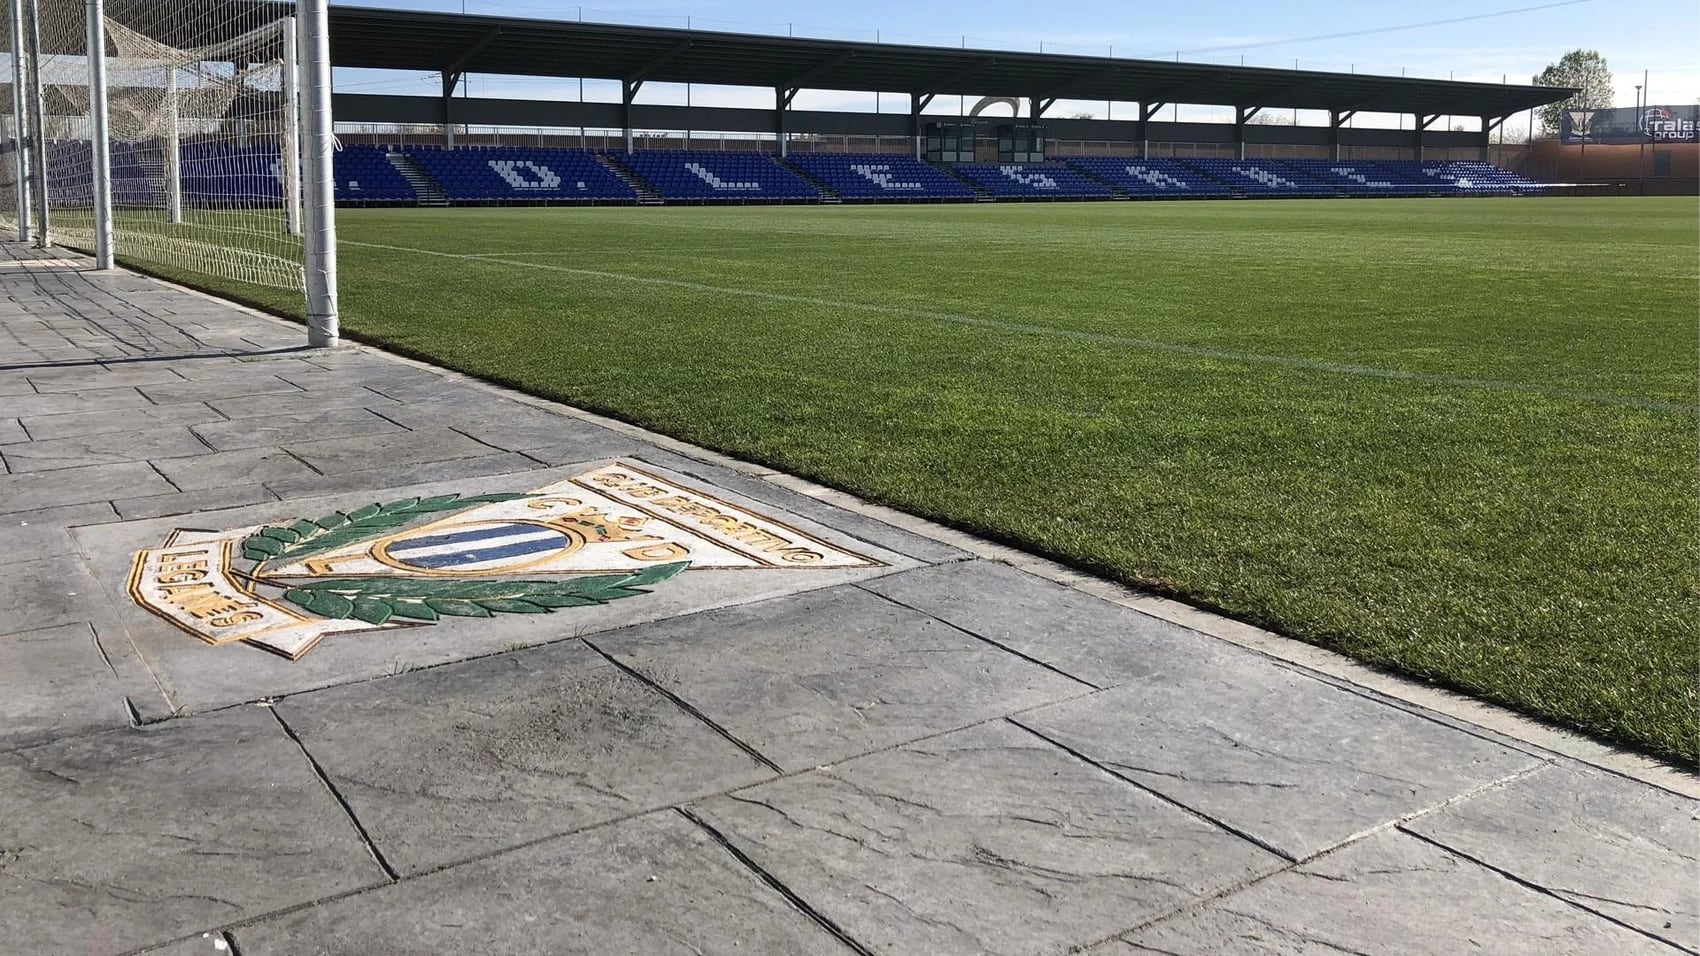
256 387
1390 893
34 491
250 405
333 455
506 424
191 502
64 403
56 682
654 885
126 839
403 475
11 430
463 760
287 426
210 943
31 535
1294 762
1086 637
245 466
197 676
1597 840
987 840
45 592
104 449
77 424
819 677
76 378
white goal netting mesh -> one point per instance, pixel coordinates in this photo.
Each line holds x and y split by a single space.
203 135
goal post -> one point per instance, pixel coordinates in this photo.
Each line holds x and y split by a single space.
192 138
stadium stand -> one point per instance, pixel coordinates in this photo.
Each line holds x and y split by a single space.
1149 178
709 176
217 174
1032 181
518 174
1477 177
364 174
1355 179
1265 177
221 174
880 176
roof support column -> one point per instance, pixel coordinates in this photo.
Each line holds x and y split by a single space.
628 93
782 98
1424 121
1337 119
917 103
1489 124
1241 114
1146 111
450 81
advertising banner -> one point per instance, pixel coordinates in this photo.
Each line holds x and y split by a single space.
1651 124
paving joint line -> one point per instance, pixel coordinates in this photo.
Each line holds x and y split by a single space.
1196 905
1222 825
1542 890
862 586
686 706
324 778
777 885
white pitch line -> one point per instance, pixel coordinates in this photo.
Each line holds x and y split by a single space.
1098 338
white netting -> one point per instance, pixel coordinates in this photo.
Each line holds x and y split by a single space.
200 136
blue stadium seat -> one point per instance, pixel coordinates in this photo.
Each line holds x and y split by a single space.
1032 181
1149 178
726 177
220 174
1260 177
364 174
1477 177
520 174
880 176
1349 178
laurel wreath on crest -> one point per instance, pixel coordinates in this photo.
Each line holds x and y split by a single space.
379 600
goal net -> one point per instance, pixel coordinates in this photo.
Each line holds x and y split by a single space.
202 131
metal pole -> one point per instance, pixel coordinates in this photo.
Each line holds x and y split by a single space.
20 124
38 126
322 319
171 163
291 129
100 135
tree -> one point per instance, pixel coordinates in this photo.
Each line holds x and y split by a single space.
1584 70
1083 114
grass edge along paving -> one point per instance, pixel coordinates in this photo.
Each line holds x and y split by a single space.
1516 520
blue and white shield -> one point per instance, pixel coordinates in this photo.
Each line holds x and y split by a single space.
479 547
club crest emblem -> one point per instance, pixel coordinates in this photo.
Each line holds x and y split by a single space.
605 535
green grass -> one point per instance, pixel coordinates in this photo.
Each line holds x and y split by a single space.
1452 438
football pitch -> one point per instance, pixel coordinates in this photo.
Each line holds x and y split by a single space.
1453 438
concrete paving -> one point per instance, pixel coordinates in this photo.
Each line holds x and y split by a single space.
835 731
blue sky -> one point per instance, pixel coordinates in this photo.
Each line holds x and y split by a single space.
1661 36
